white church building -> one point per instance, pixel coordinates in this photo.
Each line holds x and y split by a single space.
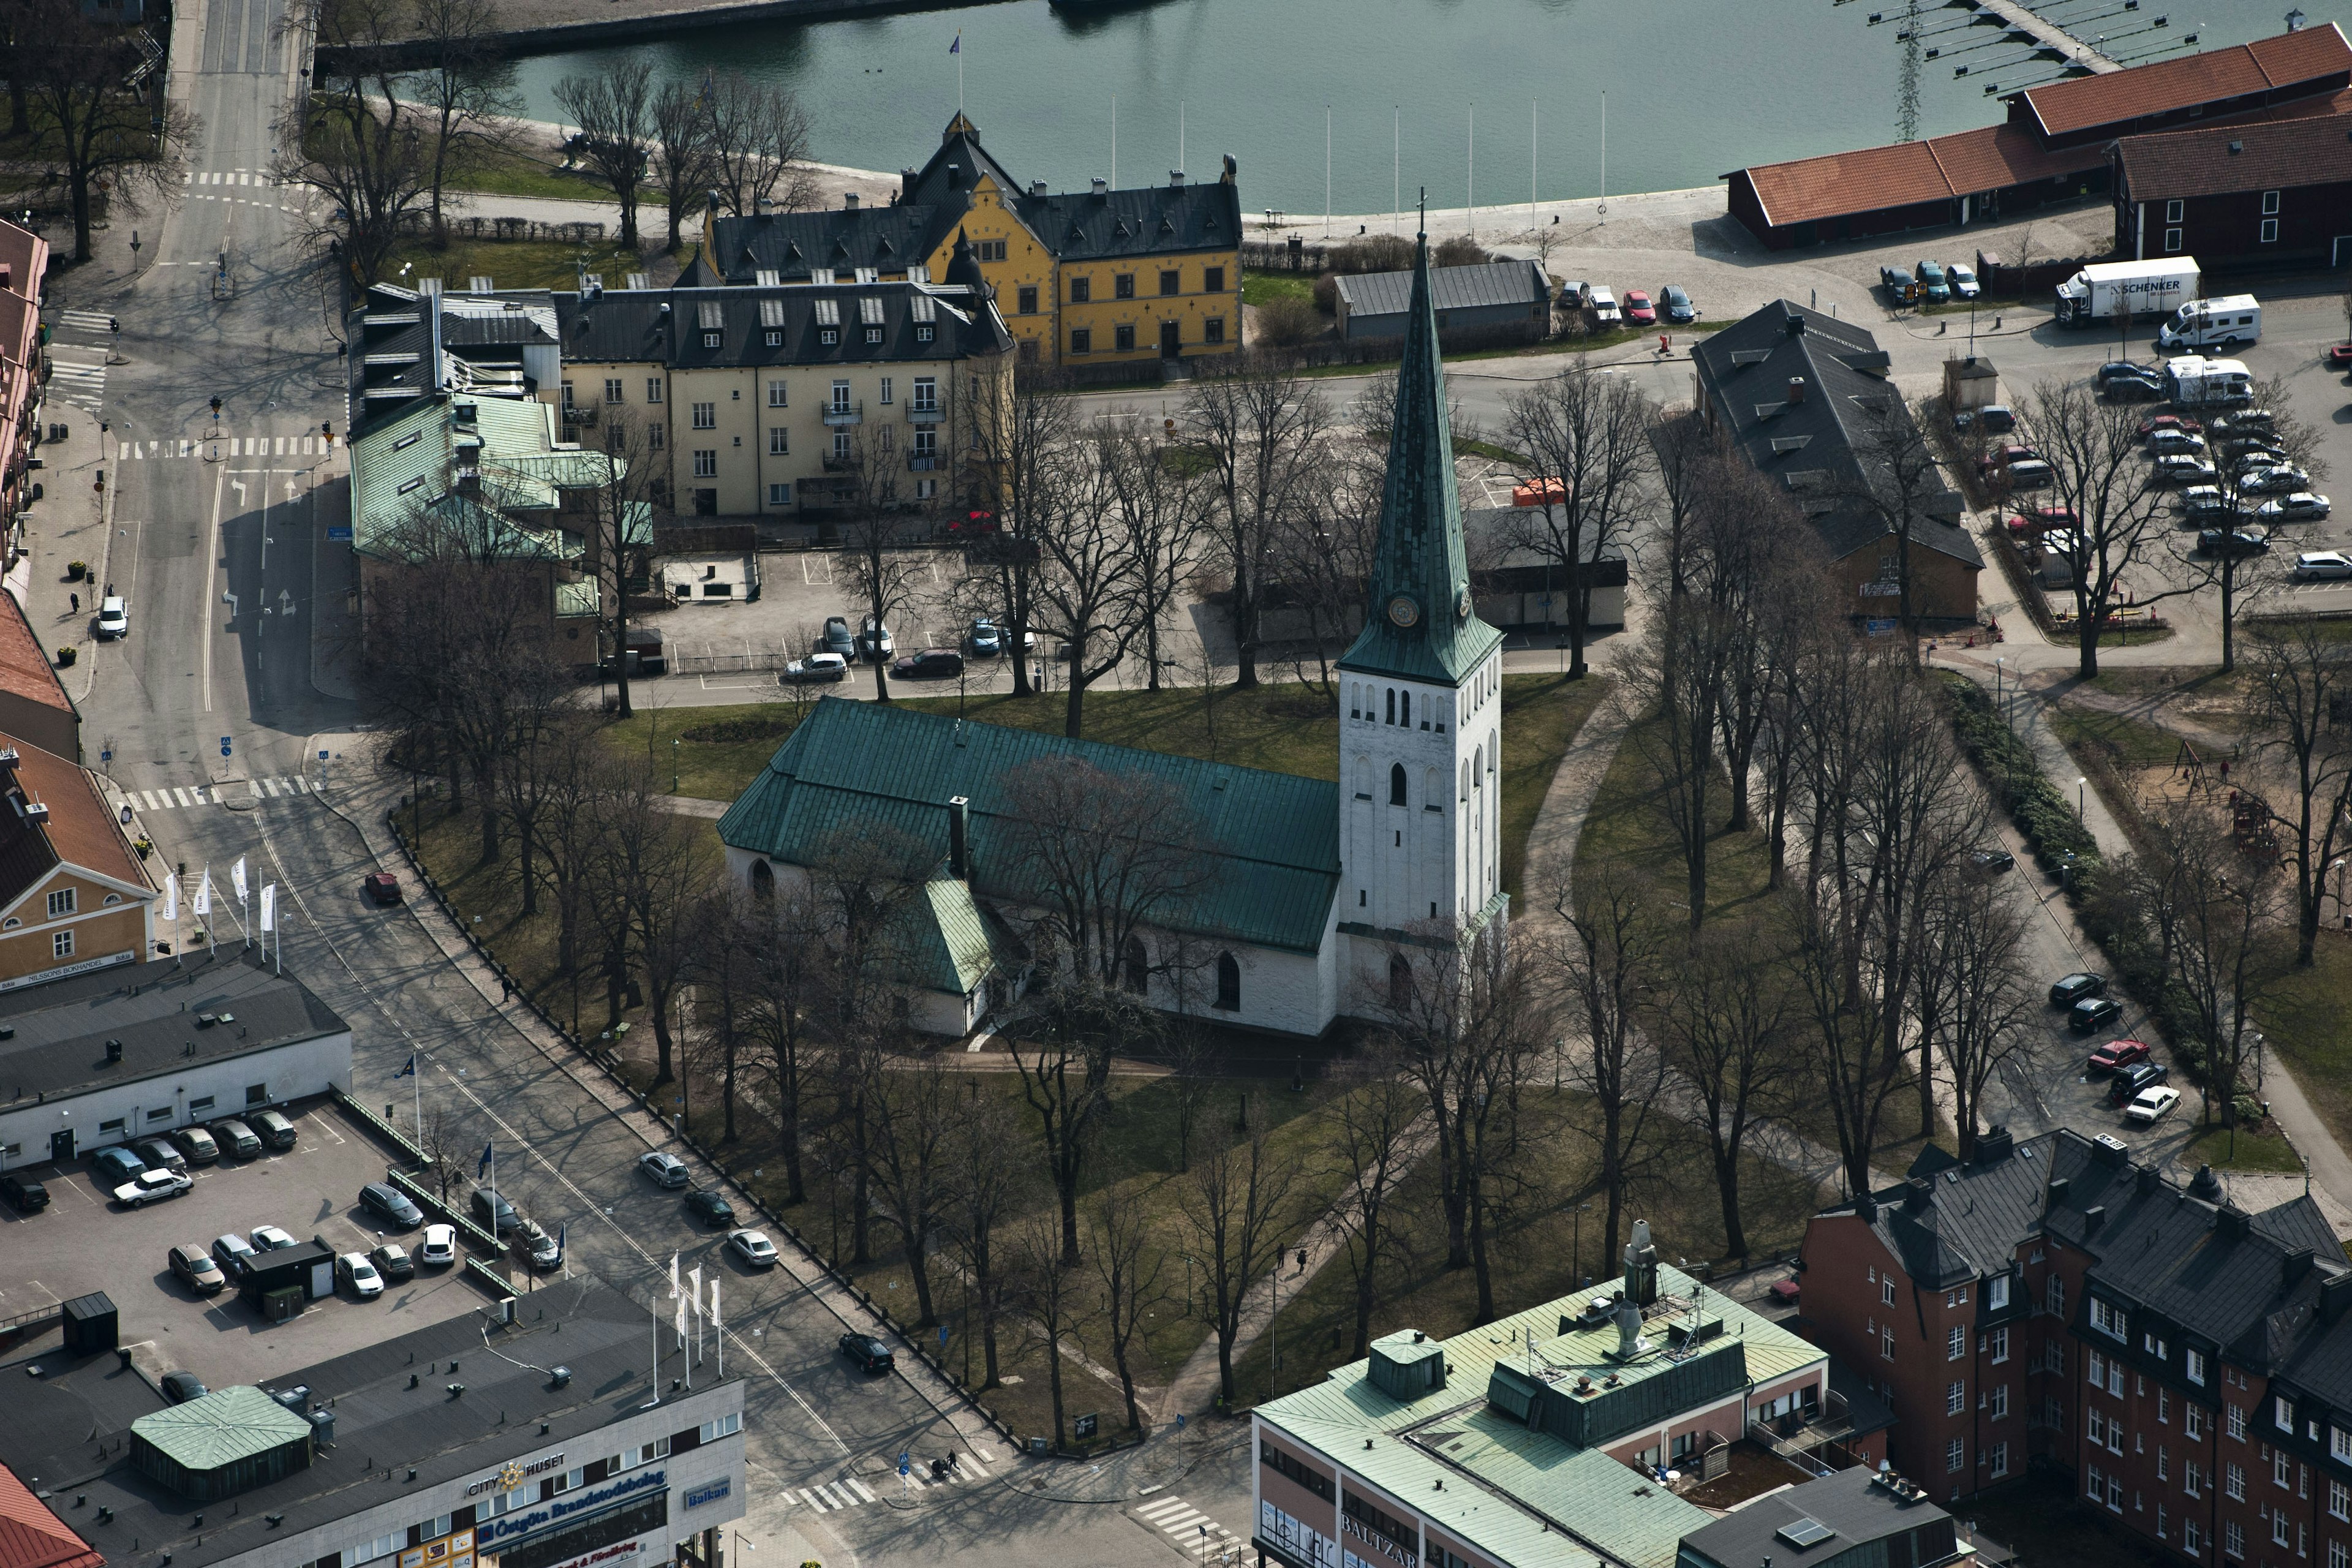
1312 886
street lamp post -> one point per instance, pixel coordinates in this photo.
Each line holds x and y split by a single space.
2082 797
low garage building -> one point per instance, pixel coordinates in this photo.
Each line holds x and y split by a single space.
1500 302
89 1060
2272 194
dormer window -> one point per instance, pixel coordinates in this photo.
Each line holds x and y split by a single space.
774 338
711 339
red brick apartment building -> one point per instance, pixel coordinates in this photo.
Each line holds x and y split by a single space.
2187 1363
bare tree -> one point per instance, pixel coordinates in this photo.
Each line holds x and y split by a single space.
1260 434
1053 1296
1109 855
1156 489
915 1110
651 873
682 162
1723 1027
1130 1270
613 110
354 139
1900 483
886 576
465 85
1975 1007
619 514
1088 595
775 947
1015 442
2298 694
990 1170
1603 970
446 1152
1063 1051
130 146
1378 1124
2250 464
2224 963
2100 473
758 145
1237 1206
1586 437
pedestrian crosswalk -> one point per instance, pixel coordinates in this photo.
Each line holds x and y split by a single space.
1172 1516
229 177
314 444
81 383
831 1496
87 321
171 797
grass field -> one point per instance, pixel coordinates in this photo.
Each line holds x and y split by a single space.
512 263
2252 1152
2125 741
1265 288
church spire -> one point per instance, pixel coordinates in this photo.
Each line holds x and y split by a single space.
1419 624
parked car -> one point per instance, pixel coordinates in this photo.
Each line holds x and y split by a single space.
2124 370
2093 1013
931 663
275 1130
2181 469
1991 862
392 1260
2004 456
711 1208
972 524
270 1238
1787 1292
2340 357
2301 506
2234 542
157 1155
2069 989
492 1212
439 1246
2240 443
148 1186
2032 521
380 888
1676 304
987 642
1600 304
665 1169
2155 422
236 1139
2201 503
874 641
352 1268
1639 312
195 1266
754 1248
2118 1054
2273 481
2238 419
113 619
1931 282
23 1193
1900 285
2028 474
2135 1080
196 1143
234 1254
816 669
2253 460
1997 418
179 1387
870 1353
1963 280
2151 1105
1571 295
387 1202
2134 389
2314 565
539 1246
835 639
2163 441
116 1165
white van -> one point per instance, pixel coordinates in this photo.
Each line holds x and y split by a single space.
2194 383
2226 322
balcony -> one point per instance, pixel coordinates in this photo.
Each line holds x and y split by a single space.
840 465
919 414
845 414
924 462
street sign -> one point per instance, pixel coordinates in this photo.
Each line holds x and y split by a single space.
223 750
943 1336
338 531
1179 1421
106 756
1879 629
225 745
1087 1425
323 756
905 1466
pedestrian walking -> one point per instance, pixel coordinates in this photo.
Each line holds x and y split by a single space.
505 989
75 599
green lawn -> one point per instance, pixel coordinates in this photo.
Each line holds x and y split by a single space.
522 174
515 264
2252 1152
1627 832
2123 740
2310 1028
1265 288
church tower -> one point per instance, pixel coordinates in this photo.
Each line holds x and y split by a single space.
1420 698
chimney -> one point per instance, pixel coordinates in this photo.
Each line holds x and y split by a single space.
2232 1222
2205 1184
1629 1331
759 206
1175 179
2293 1267
1995 1144
1866 1206
2334 1294
1101 189
2094 1218
1796 325
2147 1180
849 201
1918 1192
1037 188
955 177
960 837
1796 389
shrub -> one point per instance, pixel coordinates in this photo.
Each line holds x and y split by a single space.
758 727
1287 322
1327 294
1373 253
1459 251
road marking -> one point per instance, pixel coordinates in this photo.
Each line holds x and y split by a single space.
812 1501
205 609
859 1488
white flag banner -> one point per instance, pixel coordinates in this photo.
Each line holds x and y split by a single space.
171 895
269 907
201 904
237 880
681 1320
695 1296
673 1276
714 1303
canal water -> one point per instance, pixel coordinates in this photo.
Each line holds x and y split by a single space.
1463 96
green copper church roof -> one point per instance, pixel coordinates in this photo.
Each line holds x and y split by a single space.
1420 625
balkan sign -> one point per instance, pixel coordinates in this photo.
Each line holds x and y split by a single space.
711 1492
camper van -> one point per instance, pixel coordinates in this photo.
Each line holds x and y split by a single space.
2229 321
2194 383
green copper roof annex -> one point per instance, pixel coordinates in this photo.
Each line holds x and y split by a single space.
1420 623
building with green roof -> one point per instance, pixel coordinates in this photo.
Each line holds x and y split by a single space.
227 1441
1537 1441
1300 896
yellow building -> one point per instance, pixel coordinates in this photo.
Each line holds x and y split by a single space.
1096 276
73 894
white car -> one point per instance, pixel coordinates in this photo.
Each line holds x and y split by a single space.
2302 506
1963 280
1603 306
874 640
2317 563
439 1246
149 1186
815 670
352 1268
754 1248
2152 1105
113 619
269 1238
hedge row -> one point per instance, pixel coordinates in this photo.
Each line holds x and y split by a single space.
2042 813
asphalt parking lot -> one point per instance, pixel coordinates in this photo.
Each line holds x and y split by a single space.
82 1243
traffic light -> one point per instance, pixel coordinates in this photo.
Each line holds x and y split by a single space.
215 409
327 428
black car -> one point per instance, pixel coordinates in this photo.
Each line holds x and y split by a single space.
387 1202
1992 861
1676 305
2128 1083
711 1208
2124 370
24 1194
2231 542
2072 988
179 1387
493 1213
931 663
160 1155
870 1353
2093 1013
836 639
2134 389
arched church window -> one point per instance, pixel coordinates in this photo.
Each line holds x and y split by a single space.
1404 709
1434 791
763 881
1229 984
1400 983
1135 966
1363 776
1466 781
1396 784
1392 706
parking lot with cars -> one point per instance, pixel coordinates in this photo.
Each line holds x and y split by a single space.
171 1265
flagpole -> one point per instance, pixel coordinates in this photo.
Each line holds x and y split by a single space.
718 1332
1114 141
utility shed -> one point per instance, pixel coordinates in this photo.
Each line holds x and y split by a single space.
1500 295
230 1441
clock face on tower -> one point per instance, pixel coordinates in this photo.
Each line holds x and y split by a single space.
1404 611
1462 605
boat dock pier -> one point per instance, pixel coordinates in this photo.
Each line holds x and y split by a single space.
2022 24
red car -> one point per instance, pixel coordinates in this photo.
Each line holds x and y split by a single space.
2155 422
971 523
2002 457
2118 1054
1638 309
2340 357
381 887
2035 521
1785 1292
